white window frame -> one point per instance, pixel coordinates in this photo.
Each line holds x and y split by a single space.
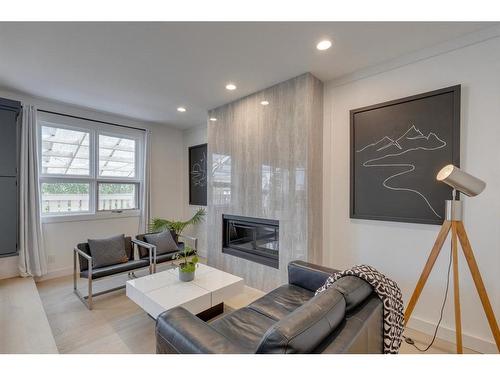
94 129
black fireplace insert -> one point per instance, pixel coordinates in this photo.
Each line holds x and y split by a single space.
251 238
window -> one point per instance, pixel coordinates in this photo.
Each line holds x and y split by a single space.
65 152
114 196
65 197
87 168
116 157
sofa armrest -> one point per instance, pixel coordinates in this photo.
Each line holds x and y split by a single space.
307 275
193 240
150 247
79 253
180 332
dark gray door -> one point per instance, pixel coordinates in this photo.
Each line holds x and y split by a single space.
8 217
8 143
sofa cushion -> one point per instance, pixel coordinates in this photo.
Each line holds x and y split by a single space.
143 252
163 241
108 251
354 290
305 328
244 326
361 333
115 269
281 301
84 246
165 257
307 275
179 331
162 258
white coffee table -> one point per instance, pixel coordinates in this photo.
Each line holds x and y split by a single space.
204 296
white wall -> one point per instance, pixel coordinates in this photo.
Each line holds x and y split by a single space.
400 250
194 136
167 168
8 267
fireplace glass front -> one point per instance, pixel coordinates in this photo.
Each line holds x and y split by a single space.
251 238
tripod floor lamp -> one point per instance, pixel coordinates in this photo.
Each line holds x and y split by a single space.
470 186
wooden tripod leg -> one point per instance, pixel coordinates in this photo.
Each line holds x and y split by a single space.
476 276
458 318
443 233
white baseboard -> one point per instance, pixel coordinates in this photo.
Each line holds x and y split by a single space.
478 344
8 267
8 275
53 274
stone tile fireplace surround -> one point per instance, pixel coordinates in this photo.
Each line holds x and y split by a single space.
265 162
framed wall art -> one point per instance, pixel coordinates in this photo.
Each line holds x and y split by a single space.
198 175
396 150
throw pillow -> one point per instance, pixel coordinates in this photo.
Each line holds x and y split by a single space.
163 241
108 251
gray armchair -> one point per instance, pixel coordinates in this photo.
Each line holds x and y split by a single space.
148 251
83 267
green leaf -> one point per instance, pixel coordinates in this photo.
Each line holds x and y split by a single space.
159 225
187 267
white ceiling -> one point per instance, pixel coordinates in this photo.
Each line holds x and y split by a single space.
147 70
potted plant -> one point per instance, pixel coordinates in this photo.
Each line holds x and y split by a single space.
158 224
187 266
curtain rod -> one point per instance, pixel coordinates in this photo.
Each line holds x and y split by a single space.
89 119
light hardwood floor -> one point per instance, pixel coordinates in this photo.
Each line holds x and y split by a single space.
118 325
115 325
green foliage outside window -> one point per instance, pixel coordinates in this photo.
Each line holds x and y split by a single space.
116 189
75 188
65 188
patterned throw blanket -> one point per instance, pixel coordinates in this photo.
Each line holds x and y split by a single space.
390 294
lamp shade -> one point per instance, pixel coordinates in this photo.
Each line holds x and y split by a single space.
460 180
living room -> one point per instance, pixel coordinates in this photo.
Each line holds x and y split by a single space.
324 186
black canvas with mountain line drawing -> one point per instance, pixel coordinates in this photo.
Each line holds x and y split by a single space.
397 148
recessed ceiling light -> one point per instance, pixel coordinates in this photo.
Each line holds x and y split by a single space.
264 102
213 119
324 45
181 109
231 86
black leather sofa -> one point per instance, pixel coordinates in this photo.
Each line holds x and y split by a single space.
346 318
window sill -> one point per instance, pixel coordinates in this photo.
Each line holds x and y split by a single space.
90 217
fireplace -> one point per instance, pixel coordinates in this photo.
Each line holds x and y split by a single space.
251 238
264 163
